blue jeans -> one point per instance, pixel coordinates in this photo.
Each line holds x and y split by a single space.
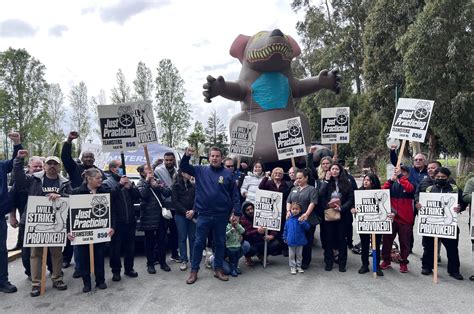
204 224
245 248
4 252
186 230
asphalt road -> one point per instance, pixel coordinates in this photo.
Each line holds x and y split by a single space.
258 290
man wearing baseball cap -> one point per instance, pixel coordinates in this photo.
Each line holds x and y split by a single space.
52 184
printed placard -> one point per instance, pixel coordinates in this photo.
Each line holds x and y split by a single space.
89 218
335 125
373 208
243 137
411 119
127 125
289 138
46 222
268 208
436 217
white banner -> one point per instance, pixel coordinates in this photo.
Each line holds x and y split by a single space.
289 138
436 217
335 125
411 119
243 137
268 209
125 126
90 218
46 222
373 208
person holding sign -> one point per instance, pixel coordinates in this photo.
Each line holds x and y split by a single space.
339 199
401 199
51 183
370 182
307 196
417 172
217 198
92 185
442 185
467 199
6 167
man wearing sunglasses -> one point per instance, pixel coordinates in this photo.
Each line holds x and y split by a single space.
417 172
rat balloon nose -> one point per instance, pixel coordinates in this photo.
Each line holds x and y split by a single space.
276 32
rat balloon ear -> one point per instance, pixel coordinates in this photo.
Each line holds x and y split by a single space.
294 45
237 50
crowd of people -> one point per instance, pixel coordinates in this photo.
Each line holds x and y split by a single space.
212 210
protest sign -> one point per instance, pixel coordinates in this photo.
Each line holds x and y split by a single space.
289 138
411 119
335 125
242 138
268 208
373 208
89 218
125 126
46 222
436 217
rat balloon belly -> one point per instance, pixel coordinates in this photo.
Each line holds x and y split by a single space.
271 90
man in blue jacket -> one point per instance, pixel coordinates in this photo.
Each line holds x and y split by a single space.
216 199
6 167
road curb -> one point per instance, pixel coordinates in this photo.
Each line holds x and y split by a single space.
13 255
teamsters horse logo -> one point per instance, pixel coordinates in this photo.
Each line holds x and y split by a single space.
99 206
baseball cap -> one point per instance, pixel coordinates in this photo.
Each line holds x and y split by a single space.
404 168
52 158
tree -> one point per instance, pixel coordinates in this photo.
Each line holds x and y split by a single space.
79 103
216 133
56 110
143 84
197 138
438 63
172 112
121 93
22 79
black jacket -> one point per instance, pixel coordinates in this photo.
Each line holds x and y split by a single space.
122 204
150 209
183 197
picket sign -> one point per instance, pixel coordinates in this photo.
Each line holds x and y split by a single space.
91 256
43 270
265 248
435 261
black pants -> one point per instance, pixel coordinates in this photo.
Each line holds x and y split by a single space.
348 220
172 237
123 239
155 248
68 252
84 262
334 240
452 252
365 240
308 248
273 248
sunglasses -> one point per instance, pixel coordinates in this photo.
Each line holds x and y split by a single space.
229 166
419 159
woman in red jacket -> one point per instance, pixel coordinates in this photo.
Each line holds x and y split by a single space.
402 194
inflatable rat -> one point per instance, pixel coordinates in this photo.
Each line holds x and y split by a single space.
266 87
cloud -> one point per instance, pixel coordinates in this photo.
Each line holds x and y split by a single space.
88 10
125 9
16 28
57 30
202 43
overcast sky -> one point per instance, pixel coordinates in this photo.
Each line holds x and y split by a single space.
90 40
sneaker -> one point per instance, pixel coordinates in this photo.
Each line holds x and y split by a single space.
379 273
386 265
233 273
183 266
426 271
300 270
35 291
364 270
101 286
7 287
403 268
238 270
86 289
151 269
175 258
165 267
293 271
60 285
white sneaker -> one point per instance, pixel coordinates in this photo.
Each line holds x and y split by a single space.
183 266
293 270
299 269
208 261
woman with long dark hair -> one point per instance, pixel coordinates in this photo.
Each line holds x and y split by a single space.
339 199
370 182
